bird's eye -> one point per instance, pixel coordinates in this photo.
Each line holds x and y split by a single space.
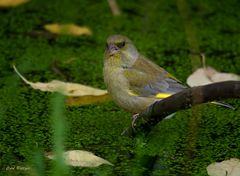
120 44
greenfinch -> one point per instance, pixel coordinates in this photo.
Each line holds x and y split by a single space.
133 81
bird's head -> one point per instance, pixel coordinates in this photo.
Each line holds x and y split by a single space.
121 49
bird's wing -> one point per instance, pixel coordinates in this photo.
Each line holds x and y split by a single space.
147 79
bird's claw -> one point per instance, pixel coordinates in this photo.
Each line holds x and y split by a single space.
134 120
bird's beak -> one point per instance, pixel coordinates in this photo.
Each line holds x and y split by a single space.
112 49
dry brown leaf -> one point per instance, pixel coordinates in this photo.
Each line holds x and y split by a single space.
68 29
225 168
208 75
82 158
69 89
11 3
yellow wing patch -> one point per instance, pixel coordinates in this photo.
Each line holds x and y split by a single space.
159 95
162 95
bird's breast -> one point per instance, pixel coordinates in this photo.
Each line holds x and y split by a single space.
115 81
118 88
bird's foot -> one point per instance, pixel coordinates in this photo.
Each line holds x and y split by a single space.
134 120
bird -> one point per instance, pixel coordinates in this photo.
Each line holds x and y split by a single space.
133 80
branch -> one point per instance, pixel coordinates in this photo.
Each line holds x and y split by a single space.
183 100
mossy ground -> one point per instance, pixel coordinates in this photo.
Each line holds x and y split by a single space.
179 146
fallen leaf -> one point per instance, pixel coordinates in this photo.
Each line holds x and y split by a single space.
225 168
208 75
198 78
86 100
82 158
69 89
68 29
216 76
11 3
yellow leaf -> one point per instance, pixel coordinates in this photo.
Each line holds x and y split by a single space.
82 158
11 3
68 29
88 99
78 94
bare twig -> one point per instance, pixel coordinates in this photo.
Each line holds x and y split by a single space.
114 7
183 100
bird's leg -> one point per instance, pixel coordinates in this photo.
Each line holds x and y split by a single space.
134 119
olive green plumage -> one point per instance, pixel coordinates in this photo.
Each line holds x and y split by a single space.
133 81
